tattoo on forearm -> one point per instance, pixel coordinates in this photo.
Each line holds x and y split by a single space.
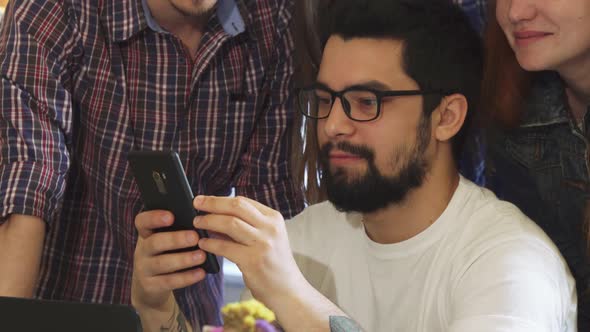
176 323
343 324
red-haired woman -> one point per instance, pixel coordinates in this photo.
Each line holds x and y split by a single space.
537 90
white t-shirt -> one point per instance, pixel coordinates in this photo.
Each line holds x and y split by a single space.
482 266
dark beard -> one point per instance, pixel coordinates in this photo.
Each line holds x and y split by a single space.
373 191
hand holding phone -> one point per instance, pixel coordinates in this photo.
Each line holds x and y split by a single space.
163 186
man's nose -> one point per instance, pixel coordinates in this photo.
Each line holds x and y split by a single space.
337 123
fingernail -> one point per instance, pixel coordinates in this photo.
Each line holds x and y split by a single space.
198 256
166 218
191 238
198 274
199 200
196 220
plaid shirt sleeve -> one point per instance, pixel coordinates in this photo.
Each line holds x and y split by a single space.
35 107
266 172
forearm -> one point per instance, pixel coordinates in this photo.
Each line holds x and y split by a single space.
21 244
309 310
171 319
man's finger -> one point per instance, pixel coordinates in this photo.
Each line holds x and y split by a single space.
236 229
228 249
171 263
170 282
147 222
267 211
167 241
240 207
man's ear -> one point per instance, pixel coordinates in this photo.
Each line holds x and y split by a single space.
452 111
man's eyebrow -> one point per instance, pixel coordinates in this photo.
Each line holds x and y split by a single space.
322 85
373 84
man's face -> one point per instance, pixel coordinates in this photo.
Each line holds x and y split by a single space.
193 7
370 165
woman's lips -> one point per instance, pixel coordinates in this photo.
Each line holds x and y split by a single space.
524 38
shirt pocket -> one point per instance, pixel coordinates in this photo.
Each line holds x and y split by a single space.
220 137
540 156
533 151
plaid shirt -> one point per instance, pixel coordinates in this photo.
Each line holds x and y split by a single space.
84 82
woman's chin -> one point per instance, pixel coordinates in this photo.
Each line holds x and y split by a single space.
533 63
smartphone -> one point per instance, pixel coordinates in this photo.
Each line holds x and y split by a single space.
163 186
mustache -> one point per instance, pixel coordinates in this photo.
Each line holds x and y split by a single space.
357 150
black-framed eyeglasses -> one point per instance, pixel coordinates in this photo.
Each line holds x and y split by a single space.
359 103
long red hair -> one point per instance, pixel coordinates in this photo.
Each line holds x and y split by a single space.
505 85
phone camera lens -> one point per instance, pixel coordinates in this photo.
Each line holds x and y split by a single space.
159 180
156 176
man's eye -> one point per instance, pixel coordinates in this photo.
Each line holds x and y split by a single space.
367 101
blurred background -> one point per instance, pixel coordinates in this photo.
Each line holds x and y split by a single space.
2 6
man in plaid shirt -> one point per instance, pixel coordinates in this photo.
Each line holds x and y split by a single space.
84 82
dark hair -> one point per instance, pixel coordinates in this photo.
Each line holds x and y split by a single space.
441 48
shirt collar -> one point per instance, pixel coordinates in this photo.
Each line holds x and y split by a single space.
228 13
124 19
547 104
149 19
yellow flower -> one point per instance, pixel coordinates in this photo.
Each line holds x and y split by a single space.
242 316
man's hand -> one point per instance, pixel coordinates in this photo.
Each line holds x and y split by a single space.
257 243
155 273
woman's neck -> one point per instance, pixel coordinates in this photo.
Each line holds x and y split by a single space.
577 81
578 103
